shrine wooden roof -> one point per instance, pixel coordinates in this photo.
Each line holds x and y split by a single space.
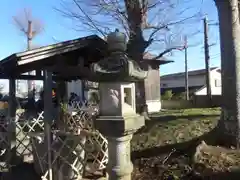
84 50
67 60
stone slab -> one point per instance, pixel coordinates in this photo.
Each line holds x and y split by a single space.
119 125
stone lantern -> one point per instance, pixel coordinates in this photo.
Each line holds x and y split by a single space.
117 118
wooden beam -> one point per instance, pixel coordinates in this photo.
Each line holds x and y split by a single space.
48 119
37 66
63 77
73 71
24 77
52 51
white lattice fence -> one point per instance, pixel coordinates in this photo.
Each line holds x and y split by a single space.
79 147
76 106
14 134
97 151
68 152
97 143
5 145
70 156
23 128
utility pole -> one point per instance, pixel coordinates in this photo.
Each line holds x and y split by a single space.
29 46
186 68
207 58
29 35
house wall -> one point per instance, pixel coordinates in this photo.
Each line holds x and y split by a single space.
196 80
215 81
152 93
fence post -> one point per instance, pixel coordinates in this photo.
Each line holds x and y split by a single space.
11 120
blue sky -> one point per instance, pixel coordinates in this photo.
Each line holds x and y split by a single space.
57 28
196 53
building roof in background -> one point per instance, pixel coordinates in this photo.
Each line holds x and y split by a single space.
190 73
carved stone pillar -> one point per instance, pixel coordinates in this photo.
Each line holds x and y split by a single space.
120 165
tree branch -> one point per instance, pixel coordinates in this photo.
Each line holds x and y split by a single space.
154 5
180 48
156 29
90 20
21 27
118 15
137 18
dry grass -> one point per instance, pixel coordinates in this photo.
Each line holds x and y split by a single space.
158 143
175 126
212 159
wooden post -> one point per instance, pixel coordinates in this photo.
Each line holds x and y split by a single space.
11 119
48 118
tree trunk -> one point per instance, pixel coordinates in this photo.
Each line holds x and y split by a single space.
136 48
135 51
229 124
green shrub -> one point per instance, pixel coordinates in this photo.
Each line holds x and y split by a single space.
167 95
180 96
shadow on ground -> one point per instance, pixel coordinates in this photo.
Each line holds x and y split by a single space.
223 176
184 147
23 171
176 160
175 117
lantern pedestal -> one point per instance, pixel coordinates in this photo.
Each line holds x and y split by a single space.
117 122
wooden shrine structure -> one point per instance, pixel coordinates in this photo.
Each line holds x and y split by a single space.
65 61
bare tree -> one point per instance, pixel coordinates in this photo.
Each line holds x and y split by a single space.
30 27
229 24
147 23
